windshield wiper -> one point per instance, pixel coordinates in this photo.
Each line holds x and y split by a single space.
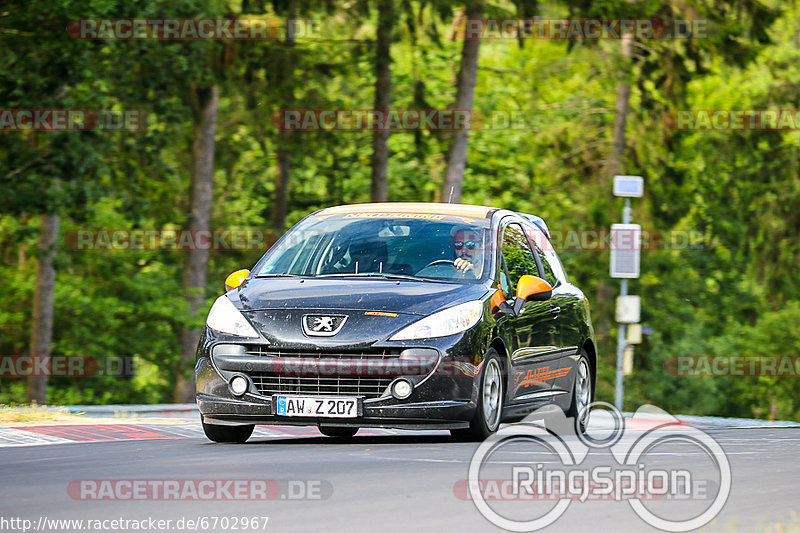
268 275
384 275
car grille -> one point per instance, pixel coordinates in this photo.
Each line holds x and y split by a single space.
269 351
367 387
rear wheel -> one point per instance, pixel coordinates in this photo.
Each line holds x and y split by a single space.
490 401
341 433
218 433
581 394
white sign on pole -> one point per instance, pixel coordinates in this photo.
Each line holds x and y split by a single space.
629 309
629 186
634 334
627 364
626 249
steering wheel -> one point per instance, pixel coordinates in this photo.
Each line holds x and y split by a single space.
451 264
440 262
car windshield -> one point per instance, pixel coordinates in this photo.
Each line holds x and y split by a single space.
382 245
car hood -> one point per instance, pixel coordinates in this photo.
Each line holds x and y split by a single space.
329 294
374 308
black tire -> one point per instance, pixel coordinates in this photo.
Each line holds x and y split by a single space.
237 434
490 401
338 432
582 394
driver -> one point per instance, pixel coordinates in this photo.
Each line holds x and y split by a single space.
465 243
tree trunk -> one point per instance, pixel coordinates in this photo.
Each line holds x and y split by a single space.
43 298
280 202
615 165
196 260
22 251
383 87
465 93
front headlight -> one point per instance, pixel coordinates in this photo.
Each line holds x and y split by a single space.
448 322
225 318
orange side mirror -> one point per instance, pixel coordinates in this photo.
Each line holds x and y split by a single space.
497 300
533 288
236 279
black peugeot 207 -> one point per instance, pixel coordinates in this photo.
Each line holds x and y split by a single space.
401 315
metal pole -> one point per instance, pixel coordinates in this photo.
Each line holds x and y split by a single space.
623 291
626 212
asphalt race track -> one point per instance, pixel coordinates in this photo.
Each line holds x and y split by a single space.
382 480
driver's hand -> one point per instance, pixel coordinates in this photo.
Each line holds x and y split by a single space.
463 265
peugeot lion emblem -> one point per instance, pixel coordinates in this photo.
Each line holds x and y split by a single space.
323 325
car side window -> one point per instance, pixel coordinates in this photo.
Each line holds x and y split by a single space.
549 274
517 257
556 264
551 265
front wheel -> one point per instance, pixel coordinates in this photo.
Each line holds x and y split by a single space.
238 434
490 401
338 432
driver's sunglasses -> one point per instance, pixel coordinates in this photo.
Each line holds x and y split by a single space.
469 244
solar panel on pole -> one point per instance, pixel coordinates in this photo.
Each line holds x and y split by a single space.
626 249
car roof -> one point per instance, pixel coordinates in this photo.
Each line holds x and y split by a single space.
431 208
537 221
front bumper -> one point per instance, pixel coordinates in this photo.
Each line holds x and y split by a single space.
444 394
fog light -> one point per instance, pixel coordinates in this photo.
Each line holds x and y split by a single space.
239 385
402 389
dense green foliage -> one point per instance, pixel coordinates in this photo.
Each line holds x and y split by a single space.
732 290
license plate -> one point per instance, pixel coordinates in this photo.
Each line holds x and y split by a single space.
316 406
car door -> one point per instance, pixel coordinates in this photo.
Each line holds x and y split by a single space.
565 307
531 335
